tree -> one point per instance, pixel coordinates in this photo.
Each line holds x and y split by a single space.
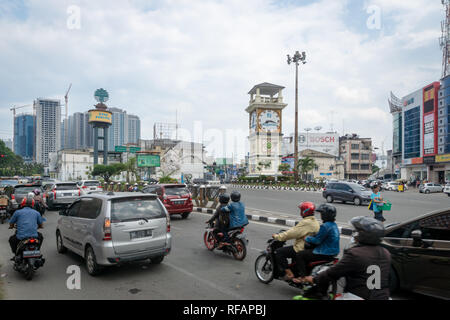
130 167
375 168
108 171
263 165
284 167
305 165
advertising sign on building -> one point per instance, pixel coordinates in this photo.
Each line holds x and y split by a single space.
322 142
290 161
148 160
430 119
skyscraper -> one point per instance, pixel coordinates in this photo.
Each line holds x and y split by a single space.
125 128
48 128
24 136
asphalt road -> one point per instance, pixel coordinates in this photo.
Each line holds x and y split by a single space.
190 271
405 205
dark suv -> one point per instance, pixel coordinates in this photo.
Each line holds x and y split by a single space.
420 250
175 197
346 191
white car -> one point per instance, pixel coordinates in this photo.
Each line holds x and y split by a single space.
447 189
391 186
89 186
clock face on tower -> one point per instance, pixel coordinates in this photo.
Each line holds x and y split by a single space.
269 121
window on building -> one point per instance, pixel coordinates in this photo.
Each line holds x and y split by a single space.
364 167
355 146
355 156
355 166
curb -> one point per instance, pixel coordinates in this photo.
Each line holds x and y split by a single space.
272 220
251 187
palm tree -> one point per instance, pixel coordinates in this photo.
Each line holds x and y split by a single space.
305 165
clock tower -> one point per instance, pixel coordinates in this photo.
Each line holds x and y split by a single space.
265 128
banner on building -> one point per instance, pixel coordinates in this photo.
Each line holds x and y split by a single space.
322 142
443 158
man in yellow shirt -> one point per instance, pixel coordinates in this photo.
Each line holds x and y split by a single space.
309 226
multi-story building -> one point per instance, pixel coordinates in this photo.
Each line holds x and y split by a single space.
48 128
356 153
125 129
24 136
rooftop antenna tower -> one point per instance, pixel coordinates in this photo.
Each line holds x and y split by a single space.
444 40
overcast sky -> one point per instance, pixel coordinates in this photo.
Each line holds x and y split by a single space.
201 57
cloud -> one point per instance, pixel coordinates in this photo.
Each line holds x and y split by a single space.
200 58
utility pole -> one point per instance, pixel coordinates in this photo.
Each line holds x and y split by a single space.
296 59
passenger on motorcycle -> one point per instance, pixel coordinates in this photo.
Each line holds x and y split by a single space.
358 261
325 242
39 201
221 219
308 226
27 221
236 211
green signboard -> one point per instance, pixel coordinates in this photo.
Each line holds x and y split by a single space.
120 149
148 160
134 149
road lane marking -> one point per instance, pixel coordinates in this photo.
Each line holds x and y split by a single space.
208 283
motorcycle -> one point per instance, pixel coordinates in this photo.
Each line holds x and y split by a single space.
237 246
267 270
28 257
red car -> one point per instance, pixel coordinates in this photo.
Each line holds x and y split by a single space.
176 197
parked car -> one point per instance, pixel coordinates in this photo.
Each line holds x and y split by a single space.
430 187
61 194
391 186
447 189
89 185
111 229
20 192
420 250
176 198
346 191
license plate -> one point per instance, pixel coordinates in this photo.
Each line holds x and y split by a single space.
67 194
140 234
178 201
31 254
92 188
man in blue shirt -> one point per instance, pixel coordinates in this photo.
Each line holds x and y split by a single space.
27 221
236 211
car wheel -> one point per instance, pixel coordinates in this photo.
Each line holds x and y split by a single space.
393 280
59 243
157 260
185 215
427 191
448 194
357 201
91 262
330 199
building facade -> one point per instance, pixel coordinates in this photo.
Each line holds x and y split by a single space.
48 128
125 129
24 136
356 153
326 165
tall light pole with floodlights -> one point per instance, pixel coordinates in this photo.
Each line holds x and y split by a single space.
296 59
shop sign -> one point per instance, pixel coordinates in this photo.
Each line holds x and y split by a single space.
443 158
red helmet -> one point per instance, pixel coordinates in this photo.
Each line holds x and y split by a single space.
27 202
307 209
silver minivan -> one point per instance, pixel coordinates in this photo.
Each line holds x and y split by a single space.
114 228
430 187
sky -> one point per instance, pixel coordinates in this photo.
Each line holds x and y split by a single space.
196 60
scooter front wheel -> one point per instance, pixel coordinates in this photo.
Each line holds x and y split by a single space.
264 269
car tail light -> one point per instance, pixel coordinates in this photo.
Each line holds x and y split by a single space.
32 241
100 187
165 200
324 189
13 197
54 194
84 187
107 230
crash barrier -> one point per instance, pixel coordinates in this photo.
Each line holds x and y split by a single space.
120 186
312 188
206 196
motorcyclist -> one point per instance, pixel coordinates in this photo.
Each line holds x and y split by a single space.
308 226
27 221
359 261
325 242
221 219
236 211
39 201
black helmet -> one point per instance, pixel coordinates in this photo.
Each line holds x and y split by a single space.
368 230
327 212
224 198
235 196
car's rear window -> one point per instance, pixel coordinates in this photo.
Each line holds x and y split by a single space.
135 208
67 186
91 183
25 189
176 191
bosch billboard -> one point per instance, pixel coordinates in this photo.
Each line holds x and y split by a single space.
322 142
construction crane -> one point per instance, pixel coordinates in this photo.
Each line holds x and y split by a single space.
13 109
66 131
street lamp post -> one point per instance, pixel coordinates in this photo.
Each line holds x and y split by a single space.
296 59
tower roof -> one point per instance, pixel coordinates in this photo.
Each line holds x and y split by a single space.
266 89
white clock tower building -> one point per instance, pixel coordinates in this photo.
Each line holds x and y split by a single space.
265 125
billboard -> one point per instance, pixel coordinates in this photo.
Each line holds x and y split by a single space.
148 160
290 161
322 142
430 119
100 116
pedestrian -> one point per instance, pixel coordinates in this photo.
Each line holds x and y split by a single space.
377 202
